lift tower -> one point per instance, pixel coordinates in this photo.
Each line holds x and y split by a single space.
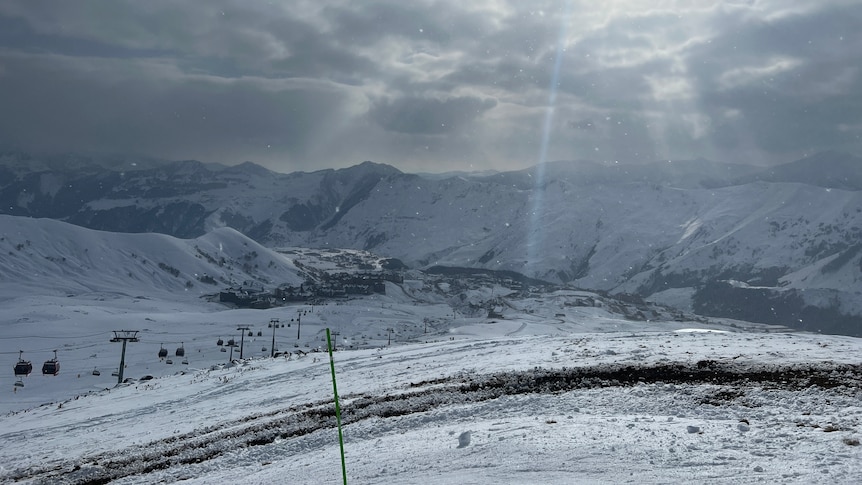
124 336
242 329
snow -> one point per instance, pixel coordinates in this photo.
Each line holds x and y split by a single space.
403 424
552 393
210 424
690 228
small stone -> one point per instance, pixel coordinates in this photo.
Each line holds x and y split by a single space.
758 468
693 429
743 427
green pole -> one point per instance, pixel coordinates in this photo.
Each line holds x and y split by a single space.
337 407
122 363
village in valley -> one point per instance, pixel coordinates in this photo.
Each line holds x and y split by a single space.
329 274
341 274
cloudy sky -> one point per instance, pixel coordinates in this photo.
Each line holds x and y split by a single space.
432 85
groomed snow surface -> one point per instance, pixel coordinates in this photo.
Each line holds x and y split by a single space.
662 403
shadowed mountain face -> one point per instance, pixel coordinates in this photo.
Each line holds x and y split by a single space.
827 169
670 230
183 199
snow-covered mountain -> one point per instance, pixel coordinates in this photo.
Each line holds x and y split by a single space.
718 238
49 257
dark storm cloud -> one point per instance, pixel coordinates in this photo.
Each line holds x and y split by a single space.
787 86
307 84
90 105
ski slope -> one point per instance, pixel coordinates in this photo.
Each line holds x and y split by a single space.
651 406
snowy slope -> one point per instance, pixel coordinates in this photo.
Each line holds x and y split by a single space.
51 257
562 389
483 409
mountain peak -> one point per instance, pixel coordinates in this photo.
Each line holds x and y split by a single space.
249 167
374 167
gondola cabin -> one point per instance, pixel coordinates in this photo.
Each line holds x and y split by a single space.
51 367
181 350
163 352
23 367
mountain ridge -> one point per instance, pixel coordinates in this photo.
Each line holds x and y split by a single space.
614 228
53 257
